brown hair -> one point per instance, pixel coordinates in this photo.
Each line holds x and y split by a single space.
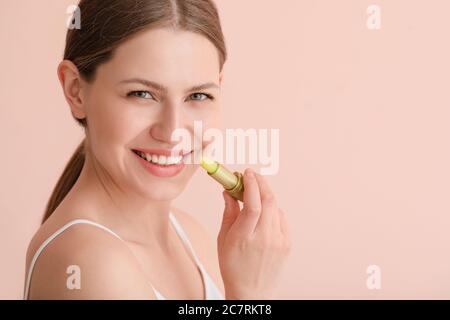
104 25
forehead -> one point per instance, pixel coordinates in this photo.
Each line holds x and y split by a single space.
165 55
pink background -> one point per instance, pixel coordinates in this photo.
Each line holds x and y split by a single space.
363 116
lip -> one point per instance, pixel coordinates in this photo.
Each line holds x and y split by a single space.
163 171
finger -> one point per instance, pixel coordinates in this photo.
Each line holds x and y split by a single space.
252 204
230 213
269 210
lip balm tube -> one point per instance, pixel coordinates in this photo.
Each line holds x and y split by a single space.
232 182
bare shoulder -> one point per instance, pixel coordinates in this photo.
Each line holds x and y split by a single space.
205 245
85 262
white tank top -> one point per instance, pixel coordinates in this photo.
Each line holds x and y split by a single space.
211 292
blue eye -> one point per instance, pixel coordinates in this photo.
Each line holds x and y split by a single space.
199 96
140 94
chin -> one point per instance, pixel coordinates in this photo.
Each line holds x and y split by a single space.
163 195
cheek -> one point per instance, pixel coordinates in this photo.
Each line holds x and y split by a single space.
209 115
113 121
211 127
207 110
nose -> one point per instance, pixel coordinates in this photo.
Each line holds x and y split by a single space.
169 120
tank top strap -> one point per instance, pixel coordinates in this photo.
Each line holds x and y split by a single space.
179 230
50 239
185 239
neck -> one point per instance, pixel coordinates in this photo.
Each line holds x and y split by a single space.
134 218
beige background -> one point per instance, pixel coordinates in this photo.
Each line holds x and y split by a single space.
363 117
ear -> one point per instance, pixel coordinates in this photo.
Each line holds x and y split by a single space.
72 83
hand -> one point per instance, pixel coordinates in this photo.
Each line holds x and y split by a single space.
253 242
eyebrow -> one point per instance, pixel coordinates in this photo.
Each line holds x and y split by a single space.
163 89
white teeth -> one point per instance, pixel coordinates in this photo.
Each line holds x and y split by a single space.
161 159
172 160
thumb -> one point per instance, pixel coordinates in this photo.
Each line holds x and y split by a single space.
230 212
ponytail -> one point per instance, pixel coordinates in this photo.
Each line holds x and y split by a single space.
66 181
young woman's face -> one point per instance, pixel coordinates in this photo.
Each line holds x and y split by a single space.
126 110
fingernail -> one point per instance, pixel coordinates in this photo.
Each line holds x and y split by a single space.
249 173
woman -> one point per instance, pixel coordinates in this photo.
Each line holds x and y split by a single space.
136 71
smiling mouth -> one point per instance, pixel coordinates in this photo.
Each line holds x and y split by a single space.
162 160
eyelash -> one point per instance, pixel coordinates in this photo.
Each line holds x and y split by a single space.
132 93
